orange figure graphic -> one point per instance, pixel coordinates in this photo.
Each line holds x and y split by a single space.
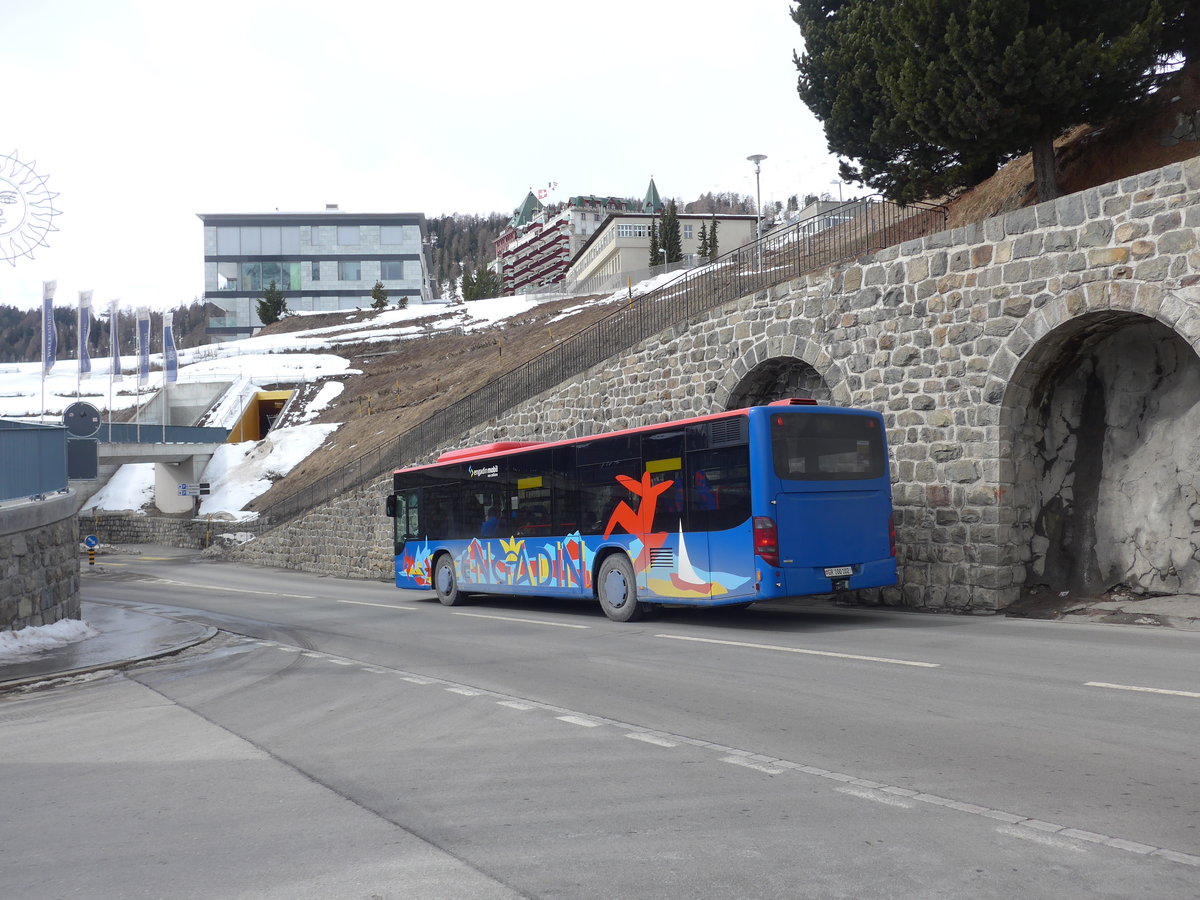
639 523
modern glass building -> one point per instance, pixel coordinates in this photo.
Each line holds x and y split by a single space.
322 261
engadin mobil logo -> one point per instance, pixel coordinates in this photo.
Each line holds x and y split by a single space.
483 471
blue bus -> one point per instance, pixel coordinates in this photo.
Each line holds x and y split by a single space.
783 500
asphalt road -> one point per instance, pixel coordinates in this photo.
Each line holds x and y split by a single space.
345 739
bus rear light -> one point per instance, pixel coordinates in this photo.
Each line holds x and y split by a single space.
766 540
892 533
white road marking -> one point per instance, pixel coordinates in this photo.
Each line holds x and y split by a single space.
1039 837
751 764
340 662
383 605
287 649
516 619
231 590
466 692
651 739
876 796
513 704
579 720
411 679
1143 690
878 659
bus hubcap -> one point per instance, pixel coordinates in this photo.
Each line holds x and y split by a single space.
616 591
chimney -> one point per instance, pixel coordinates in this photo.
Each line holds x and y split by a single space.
330 207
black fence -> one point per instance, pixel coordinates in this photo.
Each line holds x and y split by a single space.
840 234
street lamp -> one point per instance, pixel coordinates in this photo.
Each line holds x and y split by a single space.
838 182
663 251
757 159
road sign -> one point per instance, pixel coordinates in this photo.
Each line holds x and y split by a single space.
202 489
91 542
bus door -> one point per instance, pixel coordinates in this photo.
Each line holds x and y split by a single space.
678 553
718 502
833 507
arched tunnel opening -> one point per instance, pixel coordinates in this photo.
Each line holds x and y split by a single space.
1106 459
779 379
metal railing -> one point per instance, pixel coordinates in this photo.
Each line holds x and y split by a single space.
863 227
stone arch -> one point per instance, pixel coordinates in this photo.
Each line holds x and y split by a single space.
1097 444
776 368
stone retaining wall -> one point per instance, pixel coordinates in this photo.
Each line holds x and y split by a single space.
39 562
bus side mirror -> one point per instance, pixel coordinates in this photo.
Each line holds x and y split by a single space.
390 506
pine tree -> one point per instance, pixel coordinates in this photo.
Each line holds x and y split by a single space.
379 296
928 95
712 239
670 238
703 241
481 284
272 307
655 250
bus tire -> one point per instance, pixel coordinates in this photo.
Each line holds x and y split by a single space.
445 581
616 589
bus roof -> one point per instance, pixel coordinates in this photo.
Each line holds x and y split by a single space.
506 448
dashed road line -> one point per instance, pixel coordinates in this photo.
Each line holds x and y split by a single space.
777 648
229 590
382 605
1141 690
466 692
513 704
521 620
579 720
747 762
1046 840
651 739
876 796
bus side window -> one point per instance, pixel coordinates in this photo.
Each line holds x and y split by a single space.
718 488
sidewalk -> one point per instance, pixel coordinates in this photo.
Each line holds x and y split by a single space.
126 637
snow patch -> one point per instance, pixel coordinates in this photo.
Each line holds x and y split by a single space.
31 641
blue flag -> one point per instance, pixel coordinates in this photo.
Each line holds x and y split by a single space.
170 356
143 346
84 330
49 335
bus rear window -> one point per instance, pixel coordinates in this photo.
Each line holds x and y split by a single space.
827 447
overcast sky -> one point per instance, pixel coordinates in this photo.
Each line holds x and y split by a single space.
143 113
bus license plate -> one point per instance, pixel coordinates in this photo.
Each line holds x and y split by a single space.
839 572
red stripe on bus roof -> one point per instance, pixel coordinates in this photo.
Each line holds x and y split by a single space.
466 454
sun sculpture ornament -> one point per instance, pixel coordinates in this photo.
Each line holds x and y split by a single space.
26 209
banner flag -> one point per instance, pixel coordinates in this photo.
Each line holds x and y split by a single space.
114 343
170 356
143 346
84 330
49 335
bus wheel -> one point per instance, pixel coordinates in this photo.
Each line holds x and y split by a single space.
616 589
446 583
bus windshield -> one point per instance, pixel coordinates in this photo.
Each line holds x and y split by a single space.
827 447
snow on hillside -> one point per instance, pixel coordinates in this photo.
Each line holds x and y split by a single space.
238 473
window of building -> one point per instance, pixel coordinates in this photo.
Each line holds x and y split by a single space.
290 239
687 232
641 231
228 240
391 234
252 276
624 231
349 269
347 236
271 241
316 270
271 272
392 269
251 239
314 234
227 276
